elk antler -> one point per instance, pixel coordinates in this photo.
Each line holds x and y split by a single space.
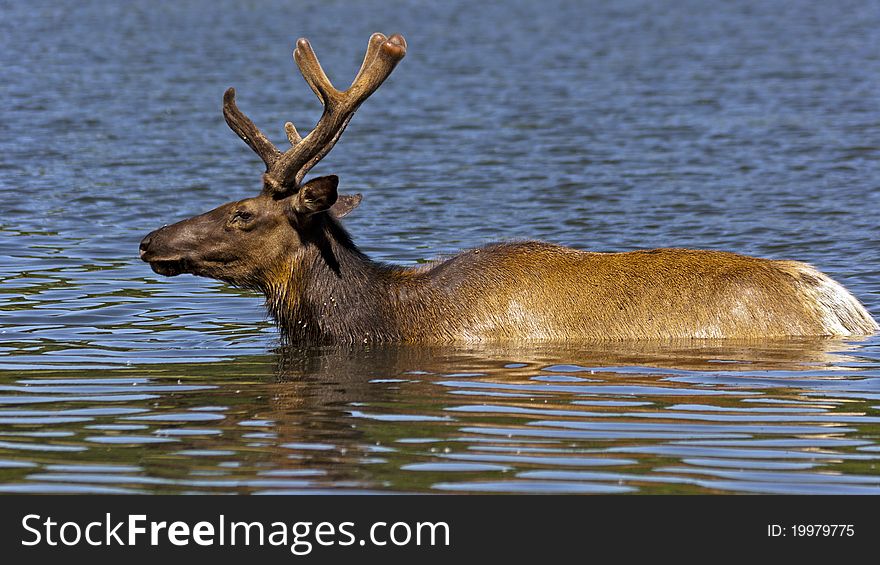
285 171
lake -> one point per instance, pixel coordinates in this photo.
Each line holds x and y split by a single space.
750 127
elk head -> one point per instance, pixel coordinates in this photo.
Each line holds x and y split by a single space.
244 242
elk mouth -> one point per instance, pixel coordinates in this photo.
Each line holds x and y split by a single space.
168 268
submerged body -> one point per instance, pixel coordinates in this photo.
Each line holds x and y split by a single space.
539 291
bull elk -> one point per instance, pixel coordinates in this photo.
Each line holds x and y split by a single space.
288 243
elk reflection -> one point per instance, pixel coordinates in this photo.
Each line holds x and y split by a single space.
335 408
351 368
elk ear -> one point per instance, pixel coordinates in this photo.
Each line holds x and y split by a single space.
317 195
345 204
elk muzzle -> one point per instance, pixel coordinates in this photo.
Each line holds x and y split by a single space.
154 249
184 247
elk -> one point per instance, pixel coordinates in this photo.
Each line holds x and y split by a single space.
289 244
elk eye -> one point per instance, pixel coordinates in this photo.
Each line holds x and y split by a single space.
242 215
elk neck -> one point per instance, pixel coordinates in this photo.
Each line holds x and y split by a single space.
330 291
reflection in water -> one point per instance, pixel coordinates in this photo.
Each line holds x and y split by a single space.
779 417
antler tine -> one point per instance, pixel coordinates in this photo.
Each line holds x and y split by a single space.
376 40
312 71
373 73
291 167
248 131
293 136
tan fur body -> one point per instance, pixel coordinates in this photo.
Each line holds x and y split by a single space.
541 291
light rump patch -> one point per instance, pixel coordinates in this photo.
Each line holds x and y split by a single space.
839 311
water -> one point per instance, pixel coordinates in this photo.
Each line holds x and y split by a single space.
607 126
